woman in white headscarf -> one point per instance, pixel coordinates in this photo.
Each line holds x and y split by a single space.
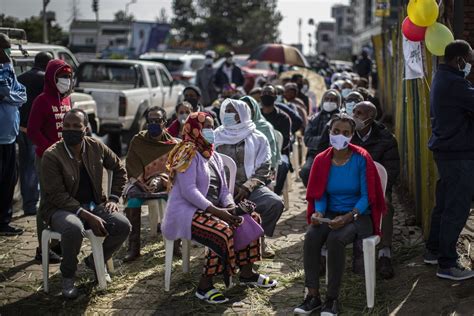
239 139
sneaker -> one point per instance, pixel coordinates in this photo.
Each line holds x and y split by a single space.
430 257
385 268
8 230
455 273
330 307
53 257
309 305
69 289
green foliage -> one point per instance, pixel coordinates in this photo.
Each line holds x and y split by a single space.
234 23
33 27
121 16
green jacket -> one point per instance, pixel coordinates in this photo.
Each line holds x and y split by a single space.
60 175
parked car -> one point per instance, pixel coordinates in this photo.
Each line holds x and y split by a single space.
124 90
23 59
252 69
182 67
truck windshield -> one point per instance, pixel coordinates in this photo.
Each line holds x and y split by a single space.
126 76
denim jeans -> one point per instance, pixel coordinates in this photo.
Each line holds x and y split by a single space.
454 192
283 169
28 176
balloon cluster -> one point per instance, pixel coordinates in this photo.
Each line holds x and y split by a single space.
420 24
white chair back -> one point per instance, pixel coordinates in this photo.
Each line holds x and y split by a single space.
383 176
230 164
278 139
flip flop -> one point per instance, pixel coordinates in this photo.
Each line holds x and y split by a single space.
259 280
213 296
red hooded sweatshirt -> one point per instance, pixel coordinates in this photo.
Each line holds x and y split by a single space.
45 123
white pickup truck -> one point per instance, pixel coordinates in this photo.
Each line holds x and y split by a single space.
124 90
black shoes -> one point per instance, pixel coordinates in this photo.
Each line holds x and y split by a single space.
309 305
53 257
330 307
7 230
385 268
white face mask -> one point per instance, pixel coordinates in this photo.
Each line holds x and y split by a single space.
63 85
329 106
182 118
305 89
345 92
208 61
360 125
350 107
466 69
339 142
229 60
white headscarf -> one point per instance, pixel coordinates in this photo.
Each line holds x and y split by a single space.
257 149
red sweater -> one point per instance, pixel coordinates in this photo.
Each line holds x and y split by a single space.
45 123
319 177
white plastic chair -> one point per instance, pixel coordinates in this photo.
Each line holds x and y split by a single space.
186 243
97 253
286 195
369 245
156 211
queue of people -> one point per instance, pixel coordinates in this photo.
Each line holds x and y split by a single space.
180 161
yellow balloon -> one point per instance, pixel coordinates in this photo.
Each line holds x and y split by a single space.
437 37
423 12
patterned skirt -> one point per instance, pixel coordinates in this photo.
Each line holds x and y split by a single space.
218 236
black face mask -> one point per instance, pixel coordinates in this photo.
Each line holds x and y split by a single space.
193 101
268 100
73 137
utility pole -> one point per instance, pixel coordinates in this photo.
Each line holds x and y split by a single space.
45 22
95 8
300 21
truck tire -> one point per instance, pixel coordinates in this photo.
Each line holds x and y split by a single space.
114 141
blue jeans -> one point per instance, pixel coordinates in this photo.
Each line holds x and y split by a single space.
454 192
283 169
28 177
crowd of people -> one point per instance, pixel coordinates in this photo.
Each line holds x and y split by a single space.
179 159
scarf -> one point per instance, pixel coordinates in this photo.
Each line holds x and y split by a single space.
180 158
245 130
145 149
265 128
319 177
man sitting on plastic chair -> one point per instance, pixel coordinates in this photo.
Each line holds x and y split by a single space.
345 202
146 169
72 171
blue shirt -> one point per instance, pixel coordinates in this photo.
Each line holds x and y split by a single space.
12 96
346 188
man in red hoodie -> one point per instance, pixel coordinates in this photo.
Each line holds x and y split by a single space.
45 124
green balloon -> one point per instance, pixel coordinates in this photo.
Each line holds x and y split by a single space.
437 38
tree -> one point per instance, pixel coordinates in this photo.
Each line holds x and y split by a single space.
121 16
33 27
241 24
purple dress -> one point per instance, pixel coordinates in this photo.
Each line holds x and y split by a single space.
189 195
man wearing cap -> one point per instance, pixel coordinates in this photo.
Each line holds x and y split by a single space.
205 80
45 124
229 73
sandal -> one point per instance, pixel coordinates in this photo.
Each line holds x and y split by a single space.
213 296
259 280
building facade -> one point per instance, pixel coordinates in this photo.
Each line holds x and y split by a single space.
325 35
343 33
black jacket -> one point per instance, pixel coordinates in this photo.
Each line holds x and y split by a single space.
33 80
282 123
381 145
237 77
315 129
452 115
296 120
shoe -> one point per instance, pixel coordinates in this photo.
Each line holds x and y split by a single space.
53 257
69 289
430 257
8 230
134 216
385 268
455 273
357 257
211 296
330 307
309 305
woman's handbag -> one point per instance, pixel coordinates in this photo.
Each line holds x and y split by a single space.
249 230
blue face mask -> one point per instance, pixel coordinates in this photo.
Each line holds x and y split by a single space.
154 129
208 134
229 119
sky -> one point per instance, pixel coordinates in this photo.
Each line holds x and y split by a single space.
148 10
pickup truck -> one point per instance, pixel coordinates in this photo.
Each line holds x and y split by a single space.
124 90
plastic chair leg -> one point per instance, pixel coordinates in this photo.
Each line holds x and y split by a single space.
45 258
368 245
161 209
98 254
286 195
186 250
110 265
153 210
169 244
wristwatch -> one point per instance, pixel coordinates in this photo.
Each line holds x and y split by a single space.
355 215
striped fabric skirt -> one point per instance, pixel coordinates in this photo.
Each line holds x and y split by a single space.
218 236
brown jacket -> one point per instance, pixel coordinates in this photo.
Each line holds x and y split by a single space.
60 175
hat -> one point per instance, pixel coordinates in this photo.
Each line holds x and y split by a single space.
194 88
66 69
292 86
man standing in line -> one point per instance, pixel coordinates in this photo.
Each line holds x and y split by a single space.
452 125
205 80
12 96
